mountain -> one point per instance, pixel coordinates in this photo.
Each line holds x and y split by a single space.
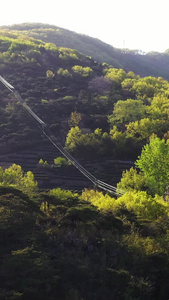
150 64
81 243
95 110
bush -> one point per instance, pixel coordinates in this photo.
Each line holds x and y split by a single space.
42 163
61 162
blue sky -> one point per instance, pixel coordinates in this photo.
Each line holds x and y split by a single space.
133 24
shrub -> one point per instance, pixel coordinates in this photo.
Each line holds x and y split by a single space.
61 162
42 163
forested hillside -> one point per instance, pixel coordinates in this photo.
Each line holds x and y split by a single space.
85 245
91 107
150 64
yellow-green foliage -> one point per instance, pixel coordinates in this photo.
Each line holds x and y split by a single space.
64 72
77 140
126 111
131 179
103 202
143 205
61 162
42 163
67 53
116 75
62 194
14 176
144 128
83 71
145 245
49 74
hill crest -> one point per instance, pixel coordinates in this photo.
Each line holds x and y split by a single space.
150 64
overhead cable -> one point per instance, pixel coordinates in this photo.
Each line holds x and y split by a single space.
46 131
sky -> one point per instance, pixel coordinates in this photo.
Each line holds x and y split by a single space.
133 24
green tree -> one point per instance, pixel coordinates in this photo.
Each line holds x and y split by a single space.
143 204
14 176
143 89
43 163
61 162
116 75
132 75
131 180
154 163
159 108
128 83
127 111
83 71
49 74
144 128
28 183
118 136
72 137
64 72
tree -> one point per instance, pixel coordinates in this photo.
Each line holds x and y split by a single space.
132 75
49 74
143 89
127 111
128 83
61 162
144 128
64 72
154 163
116 75
43 163
159 108
75 118
72 137
14 176
131 179
83 71
28 184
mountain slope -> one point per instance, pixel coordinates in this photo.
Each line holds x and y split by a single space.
95 110
154 64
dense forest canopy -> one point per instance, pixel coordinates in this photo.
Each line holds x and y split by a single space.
88 244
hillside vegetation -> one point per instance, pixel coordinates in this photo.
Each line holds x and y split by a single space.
99 108
150 64
88 245
64 245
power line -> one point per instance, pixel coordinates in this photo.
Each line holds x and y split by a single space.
46 131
